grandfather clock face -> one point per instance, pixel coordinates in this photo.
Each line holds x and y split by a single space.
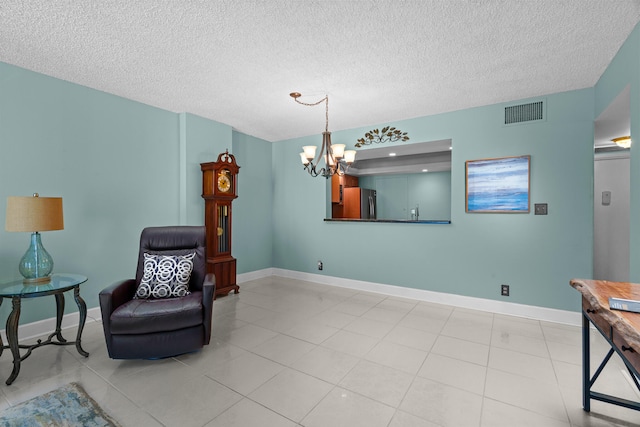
224 181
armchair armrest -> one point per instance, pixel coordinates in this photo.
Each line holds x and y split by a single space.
111 298
115 295
208 291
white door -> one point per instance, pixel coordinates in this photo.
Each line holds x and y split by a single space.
611 186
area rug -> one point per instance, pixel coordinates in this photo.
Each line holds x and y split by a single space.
67 406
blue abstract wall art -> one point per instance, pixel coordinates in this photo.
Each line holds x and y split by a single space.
498 185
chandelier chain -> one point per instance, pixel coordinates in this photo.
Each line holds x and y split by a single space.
313 104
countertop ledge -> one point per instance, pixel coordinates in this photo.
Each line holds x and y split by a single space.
393 221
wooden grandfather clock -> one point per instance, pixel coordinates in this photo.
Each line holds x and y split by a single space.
219 189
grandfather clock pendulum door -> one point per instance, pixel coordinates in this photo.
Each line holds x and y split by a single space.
219 189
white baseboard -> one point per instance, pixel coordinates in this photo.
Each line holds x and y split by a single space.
254 275
46 326
41 327
493 306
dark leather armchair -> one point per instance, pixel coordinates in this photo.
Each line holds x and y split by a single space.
155 328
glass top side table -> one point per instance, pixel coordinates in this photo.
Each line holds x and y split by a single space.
17 290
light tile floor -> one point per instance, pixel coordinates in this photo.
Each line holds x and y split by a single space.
286 353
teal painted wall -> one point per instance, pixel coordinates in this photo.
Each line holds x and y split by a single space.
393 197
114 162
119 165
624 71
536 255
253 209
430 191
201 141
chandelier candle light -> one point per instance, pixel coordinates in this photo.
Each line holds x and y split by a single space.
35 214
336 159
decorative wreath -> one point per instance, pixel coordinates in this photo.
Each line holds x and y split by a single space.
387 134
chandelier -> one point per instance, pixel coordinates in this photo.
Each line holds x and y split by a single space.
336 159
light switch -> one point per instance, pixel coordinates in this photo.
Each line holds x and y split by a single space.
606 198
540 209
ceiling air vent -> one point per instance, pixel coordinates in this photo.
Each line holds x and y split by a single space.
533 111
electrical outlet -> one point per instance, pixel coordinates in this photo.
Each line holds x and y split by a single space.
320 265
504 290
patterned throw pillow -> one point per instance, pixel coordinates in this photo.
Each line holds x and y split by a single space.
165 276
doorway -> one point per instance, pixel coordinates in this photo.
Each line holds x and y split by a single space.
611 193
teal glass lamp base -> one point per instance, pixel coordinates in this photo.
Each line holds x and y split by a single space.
36 264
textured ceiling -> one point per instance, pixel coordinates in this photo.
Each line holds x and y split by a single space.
236 61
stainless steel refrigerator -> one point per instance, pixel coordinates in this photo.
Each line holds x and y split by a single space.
359 203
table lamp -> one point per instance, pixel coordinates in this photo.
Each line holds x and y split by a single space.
35 214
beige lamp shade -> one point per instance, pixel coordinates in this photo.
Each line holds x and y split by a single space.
34 213
350 156
309 151
338 150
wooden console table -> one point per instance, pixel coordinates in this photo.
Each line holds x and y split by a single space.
621 329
